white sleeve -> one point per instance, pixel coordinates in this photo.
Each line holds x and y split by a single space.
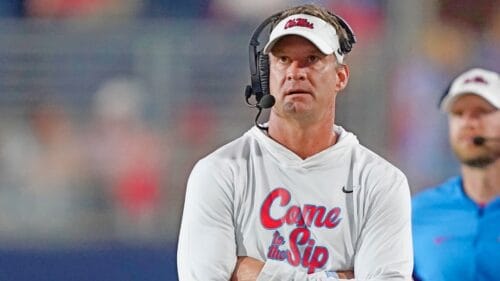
207 245
384 249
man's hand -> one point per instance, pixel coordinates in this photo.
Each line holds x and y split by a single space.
247 269
345 274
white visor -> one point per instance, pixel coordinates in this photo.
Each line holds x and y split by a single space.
322 34
477 81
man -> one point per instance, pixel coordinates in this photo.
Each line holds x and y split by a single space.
300 199
456 226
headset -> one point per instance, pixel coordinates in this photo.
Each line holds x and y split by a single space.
259 64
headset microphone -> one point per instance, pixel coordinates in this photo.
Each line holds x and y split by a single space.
478 141
267 101
481 140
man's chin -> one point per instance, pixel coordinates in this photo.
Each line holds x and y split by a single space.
474 158
478 162
296 107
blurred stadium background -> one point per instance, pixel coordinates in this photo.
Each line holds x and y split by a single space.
107 104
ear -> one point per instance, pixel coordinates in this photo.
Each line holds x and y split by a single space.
342 72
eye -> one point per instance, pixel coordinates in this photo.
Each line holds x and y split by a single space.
486 111
283 59
456 113
312 59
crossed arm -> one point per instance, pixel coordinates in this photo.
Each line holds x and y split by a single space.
248 269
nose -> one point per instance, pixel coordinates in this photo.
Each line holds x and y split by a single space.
295 71
471 119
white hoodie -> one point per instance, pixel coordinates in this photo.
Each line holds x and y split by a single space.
344 208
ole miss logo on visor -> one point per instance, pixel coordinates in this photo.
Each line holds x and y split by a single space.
299 22
477 79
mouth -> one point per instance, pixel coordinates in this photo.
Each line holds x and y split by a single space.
468 140
297 92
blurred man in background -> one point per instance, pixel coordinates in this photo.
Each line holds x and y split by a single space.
456 226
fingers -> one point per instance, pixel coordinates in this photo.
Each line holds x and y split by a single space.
348 274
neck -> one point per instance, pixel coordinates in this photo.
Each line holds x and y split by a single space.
482 184
305 140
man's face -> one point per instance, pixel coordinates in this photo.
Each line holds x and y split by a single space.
471 116
303 80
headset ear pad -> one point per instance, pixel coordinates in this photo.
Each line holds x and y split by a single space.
346 43
345 46
264 73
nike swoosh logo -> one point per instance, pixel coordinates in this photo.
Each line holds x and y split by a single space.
345 190
438 240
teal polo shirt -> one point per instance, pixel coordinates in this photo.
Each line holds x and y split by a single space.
453 237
